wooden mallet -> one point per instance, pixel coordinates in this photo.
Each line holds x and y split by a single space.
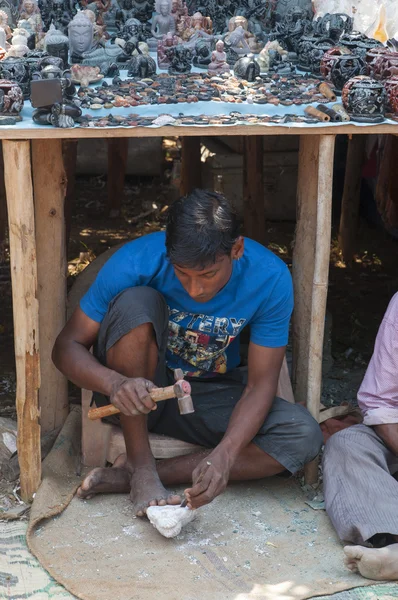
180 390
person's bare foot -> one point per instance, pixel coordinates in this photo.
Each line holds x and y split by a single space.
380 564
142 483
103 480
147 490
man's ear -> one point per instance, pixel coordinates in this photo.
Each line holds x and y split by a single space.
238 248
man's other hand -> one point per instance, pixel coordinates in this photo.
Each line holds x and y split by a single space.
209 479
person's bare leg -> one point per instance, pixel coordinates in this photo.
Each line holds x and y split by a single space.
380 564
252 463
139 469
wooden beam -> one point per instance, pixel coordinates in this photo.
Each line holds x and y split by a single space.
351 196
191 166
253 188
21 220
69 152
49 192
117 165
3 205
311 271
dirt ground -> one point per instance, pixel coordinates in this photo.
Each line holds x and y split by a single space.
357 297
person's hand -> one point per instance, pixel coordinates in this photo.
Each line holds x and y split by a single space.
209 479
131 396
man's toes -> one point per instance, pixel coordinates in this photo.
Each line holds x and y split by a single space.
353 553
153 502
162 502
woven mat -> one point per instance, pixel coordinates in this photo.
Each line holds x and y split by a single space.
256 542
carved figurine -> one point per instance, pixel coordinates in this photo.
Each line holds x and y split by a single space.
30 12
334 25
242 44
203 52
19 44
141 65
247 68
192 29
291 28
9 8
11 99
180 59
56 43
61 113
270 55
99 36
16 69
218 60
124 12
81 36
3 42
364 99
178 9
169 520
99 8
283 6
4 25
346 67
57 12
168 41
162 23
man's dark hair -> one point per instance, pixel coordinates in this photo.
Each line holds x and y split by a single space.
201 227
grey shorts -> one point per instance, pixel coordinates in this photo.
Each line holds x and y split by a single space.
289 433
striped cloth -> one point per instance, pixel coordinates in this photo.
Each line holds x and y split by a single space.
378 394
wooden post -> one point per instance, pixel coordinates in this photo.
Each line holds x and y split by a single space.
253 188
351 196
311 271
69 152
21 220
49 193
117 165
191 166
3 205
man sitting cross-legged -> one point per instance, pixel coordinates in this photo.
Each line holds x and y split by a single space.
180 299
361 465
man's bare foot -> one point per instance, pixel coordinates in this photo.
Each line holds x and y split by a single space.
147 490
103 480
380 564
142 483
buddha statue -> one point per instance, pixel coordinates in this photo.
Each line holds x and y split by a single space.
218 62
56 43
162 23
168 41
4 24
81 35
3 40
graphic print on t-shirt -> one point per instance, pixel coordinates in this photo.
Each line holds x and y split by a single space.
198 342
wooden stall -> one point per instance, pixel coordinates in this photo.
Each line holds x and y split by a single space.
36 187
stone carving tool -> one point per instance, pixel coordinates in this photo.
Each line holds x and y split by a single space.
185 501
180 390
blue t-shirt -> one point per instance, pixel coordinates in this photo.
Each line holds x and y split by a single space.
203 337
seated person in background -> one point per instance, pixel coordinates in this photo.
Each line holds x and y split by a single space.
179 299
361 465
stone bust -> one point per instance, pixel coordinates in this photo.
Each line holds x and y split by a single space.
163 22
57 43
81 34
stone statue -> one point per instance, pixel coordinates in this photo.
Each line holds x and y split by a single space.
203 52
180 59
99 31
249 40
168 41
283 6
162 23
4 25
178 9
19 44
141 65
81 35
56 43
3 40
30 11
270 55
237 41
58 13
218 60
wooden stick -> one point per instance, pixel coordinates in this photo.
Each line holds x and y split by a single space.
191 165
351 196
49 191
18 182
253 188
